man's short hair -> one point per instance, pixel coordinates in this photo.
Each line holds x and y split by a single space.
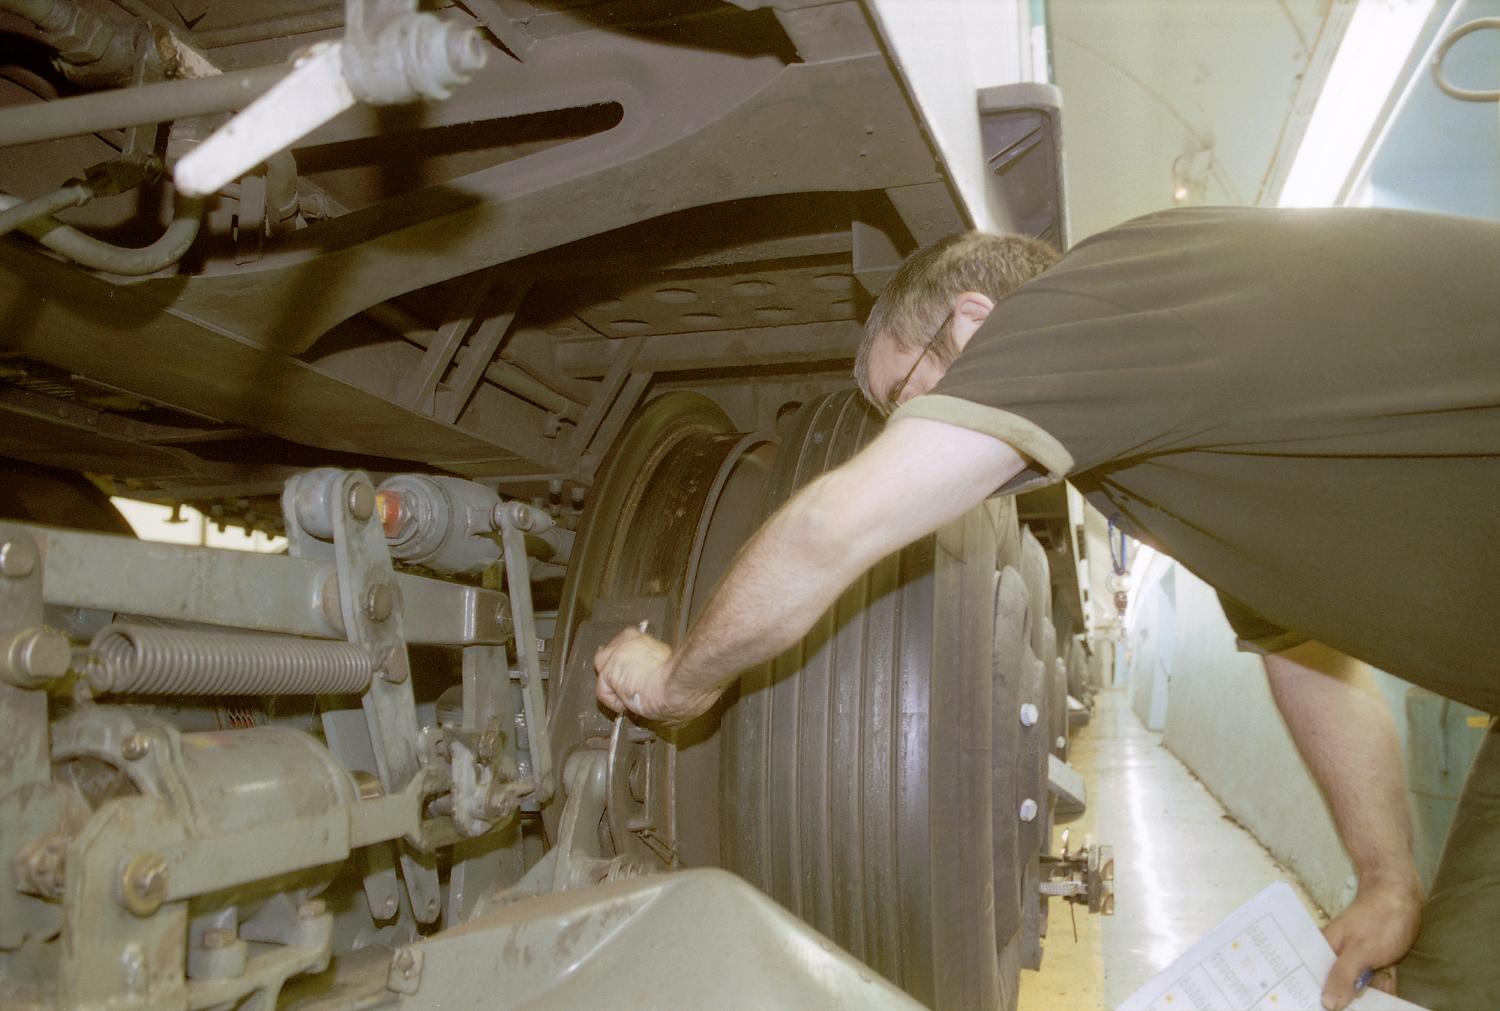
913 304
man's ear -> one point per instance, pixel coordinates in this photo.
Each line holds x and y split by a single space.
970 310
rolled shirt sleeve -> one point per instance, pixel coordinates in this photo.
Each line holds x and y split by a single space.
1074 383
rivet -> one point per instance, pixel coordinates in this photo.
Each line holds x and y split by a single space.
135 747
1029 715
1028 810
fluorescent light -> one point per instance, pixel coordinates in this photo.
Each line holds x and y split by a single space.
1375 48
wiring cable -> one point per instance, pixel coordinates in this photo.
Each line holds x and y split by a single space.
1448 87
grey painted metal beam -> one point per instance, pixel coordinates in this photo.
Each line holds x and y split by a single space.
268 593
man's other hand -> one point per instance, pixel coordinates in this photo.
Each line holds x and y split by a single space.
1377 929
635 673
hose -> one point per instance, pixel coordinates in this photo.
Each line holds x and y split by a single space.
90 252
73 195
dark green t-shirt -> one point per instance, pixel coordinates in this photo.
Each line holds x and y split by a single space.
1302 407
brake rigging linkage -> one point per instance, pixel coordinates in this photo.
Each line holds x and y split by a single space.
449 525
391 54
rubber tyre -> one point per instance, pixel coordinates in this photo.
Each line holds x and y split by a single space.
856 768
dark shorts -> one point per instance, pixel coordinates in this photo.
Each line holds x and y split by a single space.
1455 964
1254 634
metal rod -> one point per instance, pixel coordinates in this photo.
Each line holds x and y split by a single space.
126 107
533 702
74 195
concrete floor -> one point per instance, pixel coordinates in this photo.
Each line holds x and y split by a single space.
1180 867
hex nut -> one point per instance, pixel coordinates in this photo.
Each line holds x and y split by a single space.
379 602
368 785
405 974
41 866
361 500
216 938
84 36
17 558
1028 810
136 747
143 883
1029 714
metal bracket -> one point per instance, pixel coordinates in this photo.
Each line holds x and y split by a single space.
323 504
1085 877
28 658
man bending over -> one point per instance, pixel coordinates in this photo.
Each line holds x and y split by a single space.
1302 407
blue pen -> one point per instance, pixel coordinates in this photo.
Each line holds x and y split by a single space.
1363 980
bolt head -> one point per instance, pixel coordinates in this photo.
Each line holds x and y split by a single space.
143 885
1029 714
379 602
17 558
1060 743
135 747
405 962
1028 810
361 500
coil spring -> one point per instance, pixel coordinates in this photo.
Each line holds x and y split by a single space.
170 661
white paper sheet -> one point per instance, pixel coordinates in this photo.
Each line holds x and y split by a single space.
1268 955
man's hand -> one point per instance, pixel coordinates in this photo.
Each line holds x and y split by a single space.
1377 929
635 673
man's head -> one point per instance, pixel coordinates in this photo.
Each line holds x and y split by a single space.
934 304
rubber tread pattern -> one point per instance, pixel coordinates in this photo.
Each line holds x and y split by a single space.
856 767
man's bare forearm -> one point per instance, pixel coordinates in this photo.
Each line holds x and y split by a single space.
1345 734
915 477
781 581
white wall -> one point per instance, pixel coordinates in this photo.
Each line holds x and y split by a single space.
1216 714
947 50
1211 85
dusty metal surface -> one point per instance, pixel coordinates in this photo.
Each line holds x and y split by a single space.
693 198
698 183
